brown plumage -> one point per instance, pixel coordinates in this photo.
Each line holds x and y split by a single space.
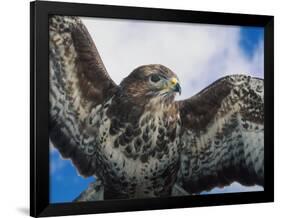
135 138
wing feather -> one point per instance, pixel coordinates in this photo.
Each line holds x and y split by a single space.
223 135
79 83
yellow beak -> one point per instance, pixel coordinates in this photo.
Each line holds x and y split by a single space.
175 85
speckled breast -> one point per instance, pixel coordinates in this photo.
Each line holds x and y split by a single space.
138 159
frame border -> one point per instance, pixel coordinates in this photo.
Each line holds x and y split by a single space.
39 107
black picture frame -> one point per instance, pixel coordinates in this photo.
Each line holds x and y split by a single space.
39 108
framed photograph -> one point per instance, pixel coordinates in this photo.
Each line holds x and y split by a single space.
141 109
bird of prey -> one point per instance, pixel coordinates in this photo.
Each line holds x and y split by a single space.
135 138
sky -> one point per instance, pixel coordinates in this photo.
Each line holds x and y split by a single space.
199 54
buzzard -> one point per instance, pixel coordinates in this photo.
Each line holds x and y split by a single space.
135 138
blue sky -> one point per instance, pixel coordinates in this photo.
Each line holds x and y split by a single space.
250 38
65 183
202 54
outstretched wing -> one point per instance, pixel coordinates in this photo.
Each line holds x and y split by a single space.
78 83
223 135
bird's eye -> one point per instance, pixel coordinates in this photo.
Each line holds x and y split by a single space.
154 78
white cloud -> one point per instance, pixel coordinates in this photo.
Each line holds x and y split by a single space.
234 187
199 54
57 163
51 147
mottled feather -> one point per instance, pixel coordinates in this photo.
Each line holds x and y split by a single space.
78 83
135 138
223 135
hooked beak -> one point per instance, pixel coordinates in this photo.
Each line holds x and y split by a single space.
177 88
175 85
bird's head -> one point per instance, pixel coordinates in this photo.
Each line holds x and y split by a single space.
152 82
